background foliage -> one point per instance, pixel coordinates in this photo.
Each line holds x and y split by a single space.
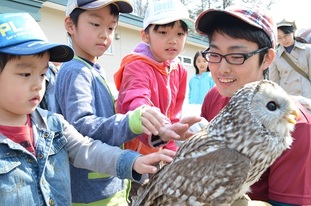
197 6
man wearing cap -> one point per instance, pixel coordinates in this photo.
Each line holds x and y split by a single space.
291 67
241 48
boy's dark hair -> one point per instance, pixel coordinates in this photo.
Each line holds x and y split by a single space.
237 28
74 15
171 24
5 58
197 54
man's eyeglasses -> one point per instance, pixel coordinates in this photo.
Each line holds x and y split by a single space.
232 58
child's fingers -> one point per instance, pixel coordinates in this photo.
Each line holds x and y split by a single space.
151 123
167 152
149 169
154 115
149 131
145 164
190 120
157 157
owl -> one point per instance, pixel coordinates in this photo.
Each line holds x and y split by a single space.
218 164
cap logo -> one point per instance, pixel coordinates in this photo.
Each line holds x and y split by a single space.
20 34
165 6
17 28
8 26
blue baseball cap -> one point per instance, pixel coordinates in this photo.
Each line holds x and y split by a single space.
21 35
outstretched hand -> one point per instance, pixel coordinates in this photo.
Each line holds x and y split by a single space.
190 120
146 164
180 130
156 123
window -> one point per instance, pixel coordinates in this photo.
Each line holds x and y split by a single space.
185 60
109 50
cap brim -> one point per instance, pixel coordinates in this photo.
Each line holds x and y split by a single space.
206 19
124 6
58 52
283 24
189 22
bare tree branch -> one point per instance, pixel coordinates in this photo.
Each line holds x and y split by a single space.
197 6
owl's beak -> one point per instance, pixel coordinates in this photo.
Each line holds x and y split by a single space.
293 116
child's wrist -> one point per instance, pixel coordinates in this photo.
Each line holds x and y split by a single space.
156 141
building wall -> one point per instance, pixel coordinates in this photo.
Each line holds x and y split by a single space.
52 23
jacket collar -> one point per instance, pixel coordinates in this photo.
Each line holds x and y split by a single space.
298 45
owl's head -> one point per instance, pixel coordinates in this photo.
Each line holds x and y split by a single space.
270 106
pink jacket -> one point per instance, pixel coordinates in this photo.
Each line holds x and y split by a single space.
143 81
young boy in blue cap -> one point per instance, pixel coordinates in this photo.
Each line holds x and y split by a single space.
36 145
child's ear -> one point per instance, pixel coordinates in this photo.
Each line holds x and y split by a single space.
69 25
144 36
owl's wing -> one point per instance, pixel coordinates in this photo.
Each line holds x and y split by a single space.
213 179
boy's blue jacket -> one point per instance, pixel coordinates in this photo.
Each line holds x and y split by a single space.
86 102
45 179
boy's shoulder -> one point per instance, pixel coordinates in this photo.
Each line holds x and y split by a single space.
73 68
75 63
42 118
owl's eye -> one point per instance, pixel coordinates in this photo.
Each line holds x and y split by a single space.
272 106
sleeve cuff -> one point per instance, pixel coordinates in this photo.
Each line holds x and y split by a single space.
156 141
135 121
125 166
